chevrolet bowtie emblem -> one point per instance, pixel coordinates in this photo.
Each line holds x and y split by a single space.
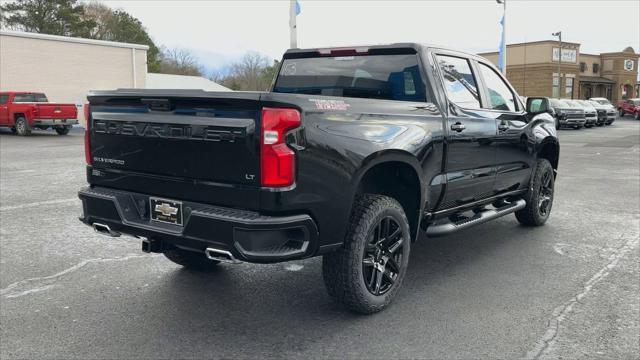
166 209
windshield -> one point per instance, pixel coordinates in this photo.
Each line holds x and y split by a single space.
391 77
603 101
595 103
558 103
574 104
635 101
585 104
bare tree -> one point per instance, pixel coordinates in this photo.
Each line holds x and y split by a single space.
179 61
251 72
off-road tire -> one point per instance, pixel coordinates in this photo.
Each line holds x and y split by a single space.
191 259
531 214
343 271
62 130
22 127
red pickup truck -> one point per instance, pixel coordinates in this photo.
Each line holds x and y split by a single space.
629 106
24 111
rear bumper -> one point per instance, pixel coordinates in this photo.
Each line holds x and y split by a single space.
54 122
248 235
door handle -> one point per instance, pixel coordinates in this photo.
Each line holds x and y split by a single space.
457 127
503 126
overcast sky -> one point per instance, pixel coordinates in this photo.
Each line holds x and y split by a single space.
219 32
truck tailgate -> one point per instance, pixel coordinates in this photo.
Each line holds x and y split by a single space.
206 137
56 111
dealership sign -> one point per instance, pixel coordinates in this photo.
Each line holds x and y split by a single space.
568 55
629 64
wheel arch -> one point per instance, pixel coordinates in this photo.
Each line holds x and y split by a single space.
549 149
383 171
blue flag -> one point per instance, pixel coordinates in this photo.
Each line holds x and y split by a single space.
501 63
297 8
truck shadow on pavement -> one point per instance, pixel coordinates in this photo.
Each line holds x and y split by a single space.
267 305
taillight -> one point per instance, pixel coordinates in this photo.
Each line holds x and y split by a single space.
87 135
277 160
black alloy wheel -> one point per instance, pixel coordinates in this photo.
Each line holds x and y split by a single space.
382 256
545 197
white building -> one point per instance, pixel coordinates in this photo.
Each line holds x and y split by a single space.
168 81
66 68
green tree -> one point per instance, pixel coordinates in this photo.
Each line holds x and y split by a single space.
56 17
118 25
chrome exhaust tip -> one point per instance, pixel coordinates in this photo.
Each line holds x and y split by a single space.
221 255
104 230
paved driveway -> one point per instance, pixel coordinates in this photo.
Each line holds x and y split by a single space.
568 289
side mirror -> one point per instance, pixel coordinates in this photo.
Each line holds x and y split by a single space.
537 105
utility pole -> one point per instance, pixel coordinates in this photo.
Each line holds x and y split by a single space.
293 31
504 36
559 35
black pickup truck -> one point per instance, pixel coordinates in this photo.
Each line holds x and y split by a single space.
353 154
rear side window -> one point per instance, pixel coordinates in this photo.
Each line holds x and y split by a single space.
30 98
23 98
500 97
459 82
388 77
3 98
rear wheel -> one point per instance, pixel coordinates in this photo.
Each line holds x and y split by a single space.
191 259
22 127
539 198
557 124
62 130
367 272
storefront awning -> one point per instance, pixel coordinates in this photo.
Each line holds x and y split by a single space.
596 80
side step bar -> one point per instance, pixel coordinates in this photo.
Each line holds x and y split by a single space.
447 226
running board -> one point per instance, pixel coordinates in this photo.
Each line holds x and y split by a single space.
447 226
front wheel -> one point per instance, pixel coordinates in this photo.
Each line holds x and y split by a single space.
367 272
539 198
62 130
22 127
557 124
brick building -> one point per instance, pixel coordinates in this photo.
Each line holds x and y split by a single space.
532 68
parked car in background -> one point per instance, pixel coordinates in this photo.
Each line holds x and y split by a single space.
24 111
611 110
606 114
629 106
566 115
590 113
351 155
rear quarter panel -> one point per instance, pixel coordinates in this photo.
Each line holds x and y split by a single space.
341 138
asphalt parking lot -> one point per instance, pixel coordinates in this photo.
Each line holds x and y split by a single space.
566 290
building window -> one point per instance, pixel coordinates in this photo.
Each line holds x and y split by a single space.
583 67
568 89
556 86
595 68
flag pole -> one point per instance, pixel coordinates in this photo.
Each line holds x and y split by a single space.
293 31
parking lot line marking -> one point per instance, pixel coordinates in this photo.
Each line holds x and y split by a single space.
562 311
38 203
40 282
